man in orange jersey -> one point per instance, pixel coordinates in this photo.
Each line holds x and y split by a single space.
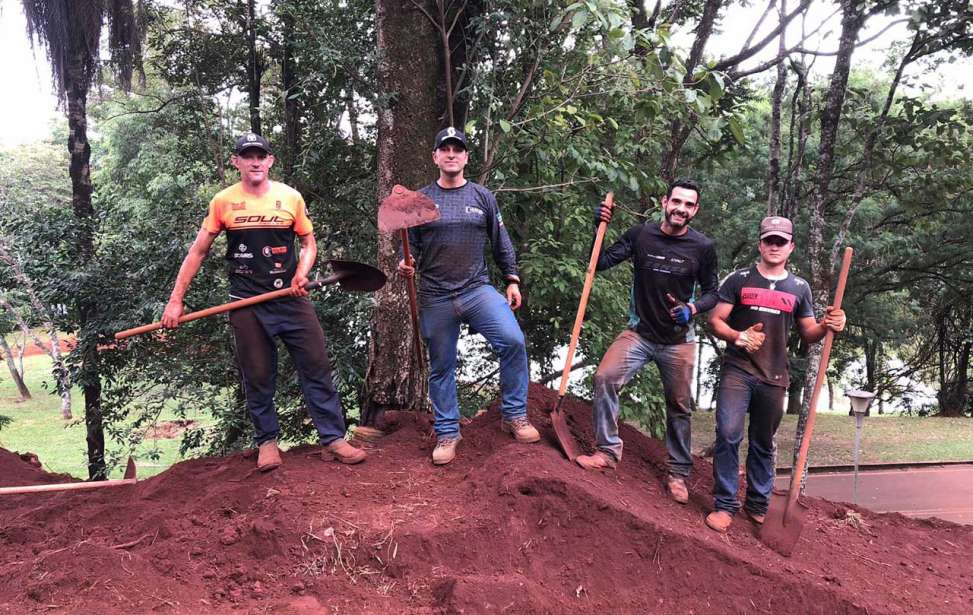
261 219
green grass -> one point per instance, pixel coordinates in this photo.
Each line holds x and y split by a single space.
37 427
885 439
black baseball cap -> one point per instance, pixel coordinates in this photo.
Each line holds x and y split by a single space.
776 226
450 134
251 140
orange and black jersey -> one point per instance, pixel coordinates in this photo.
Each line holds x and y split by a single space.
260 231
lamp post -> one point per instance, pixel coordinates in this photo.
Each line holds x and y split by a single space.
860 401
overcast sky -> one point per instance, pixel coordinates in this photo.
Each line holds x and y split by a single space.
27 105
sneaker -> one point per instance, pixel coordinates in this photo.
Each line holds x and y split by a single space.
445 450
676 487
757 518
600 460
268 456
719 520
521 429
340 450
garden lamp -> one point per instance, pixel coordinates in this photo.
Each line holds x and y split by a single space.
860 401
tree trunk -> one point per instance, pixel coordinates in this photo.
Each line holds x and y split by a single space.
953 394
14 374
795 396
678 131
851 23
289 84
76 95
777 100
409 75
254 69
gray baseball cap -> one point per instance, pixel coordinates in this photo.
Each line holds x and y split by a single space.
777 225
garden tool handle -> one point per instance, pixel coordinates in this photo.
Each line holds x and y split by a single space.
227 307
413 304
797 474
589 279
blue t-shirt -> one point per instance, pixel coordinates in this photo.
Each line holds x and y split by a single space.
450 252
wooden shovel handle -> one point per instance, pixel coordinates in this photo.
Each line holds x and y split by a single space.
589 279
226 307
413 304
798 472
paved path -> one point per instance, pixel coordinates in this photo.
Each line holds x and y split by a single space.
945 492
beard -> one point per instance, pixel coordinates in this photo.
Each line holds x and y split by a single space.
677 222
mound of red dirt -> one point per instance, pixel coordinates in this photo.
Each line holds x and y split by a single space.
505 528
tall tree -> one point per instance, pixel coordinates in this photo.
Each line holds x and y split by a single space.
409 79
71 33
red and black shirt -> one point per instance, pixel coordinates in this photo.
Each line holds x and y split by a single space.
775 303
260 231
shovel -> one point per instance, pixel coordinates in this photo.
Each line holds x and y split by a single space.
349 275
785 517
400 211
561 428
100 484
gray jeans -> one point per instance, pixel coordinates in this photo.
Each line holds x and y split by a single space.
626 356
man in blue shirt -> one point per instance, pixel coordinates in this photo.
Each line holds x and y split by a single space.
454 288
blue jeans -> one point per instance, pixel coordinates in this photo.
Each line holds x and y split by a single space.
485 311
626 356
741 392
296 324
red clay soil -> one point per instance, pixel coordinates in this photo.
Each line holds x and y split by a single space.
505 528
64 344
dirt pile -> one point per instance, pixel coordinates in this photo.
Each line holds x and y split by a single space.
506 528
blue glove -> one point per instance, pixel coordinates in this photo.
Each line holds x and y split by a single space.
679 312
602 214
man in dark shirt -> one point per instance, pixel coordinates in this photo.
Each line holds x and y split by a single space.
261 219
756 310
454 288
674 279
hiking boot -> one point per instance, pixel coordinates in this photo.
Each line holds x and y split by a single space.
341 451
600 460
268 457
445 450
757 518
676 487
719 520
521 429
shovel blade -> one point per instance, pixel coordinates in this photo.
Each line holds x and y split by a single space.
359 277
782 527
563 432
405 208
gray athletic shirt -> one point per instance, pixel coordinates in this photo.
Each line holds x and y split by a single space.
449 252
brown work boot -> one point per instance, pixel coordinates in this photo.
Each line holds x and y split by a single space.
599 460
719 520
676 487
268 456
755 517
445 450
521 429
341 451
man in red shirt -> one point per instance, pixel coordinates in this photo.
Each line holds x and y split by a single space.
757 308
261 219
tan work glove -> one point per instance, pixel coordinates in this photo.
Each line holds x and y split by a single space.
752 339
